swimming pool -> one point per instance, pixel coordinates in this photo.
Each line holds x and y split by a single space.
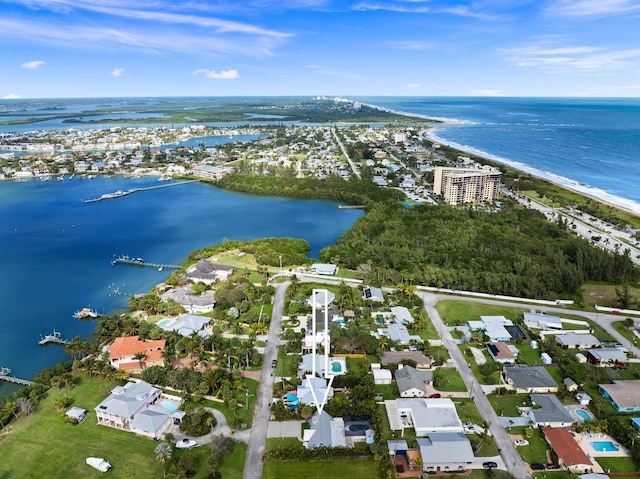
336 367
164 323
583 414
605 446
169 405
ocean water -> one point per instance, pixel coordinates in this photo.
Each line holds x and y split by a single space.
56 251
590 145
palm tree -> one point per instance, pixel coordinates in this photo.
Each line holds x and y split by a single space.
140 357
163 455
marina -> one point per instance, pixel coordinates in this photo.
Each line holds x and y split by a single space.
120 193
53 338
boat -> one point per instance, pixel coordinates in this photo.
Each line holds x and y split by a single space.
85 313
98 463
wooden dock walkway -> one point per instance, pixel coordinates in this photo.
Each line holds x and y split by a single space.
5 375
140 262
119 193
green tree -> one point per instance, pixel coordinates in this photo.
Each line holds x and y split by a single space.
163 455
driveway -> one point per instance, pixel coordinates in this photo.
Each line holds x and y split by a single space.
479 357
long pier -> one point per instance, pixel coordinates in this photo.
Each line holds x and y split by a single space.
140 262
119 193
5 375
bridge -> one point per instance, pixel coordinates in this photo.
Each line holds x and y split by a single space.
6 375
140 262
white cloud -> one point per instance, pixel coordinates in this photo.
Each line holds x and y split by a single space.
221 75
414 85
32 65
117 72
591 8
10 96
410 45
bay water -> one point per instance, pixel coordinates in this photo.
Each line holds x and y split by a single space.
56 250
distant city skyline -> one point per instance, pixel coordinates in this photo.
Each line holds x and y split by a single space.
104 48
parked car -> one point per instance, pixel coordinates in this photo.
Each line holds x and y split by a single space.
489 464
186 443
435 396
521 442
536 466
274 363
436 363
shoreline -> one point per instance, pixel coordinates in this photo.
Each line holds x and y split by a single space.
596 194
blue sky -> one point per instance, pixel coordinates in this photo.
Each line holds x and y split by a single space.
91 48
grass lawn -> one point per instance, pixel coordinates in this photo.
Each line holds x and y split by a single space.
232 466
528 355
487 449
287 364
42 445
536 451
551 475
459 312
556 373
467 410
448 379
388 391
603 295
507 405
352 469
617 464
245 415
428 331
622 329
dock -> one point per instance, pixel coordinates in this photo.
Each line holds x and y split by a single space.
140 262
53 338
352 207
6 375
120 193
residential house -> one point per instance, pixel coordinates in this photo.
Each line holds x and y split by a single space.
398 332
548 411
122 353
131 408
412 382
445 451
187 324
189 300
401 315
624 395
577 341
334 366
324 431
313 390
607 357
493 327
530 379
206 272
323 268
542 321
569 453
501 352
426 416
370 293
323 298
211 172
396 357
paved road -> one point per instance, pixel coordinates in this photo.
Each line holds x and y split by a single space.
511 460
262 412
354 168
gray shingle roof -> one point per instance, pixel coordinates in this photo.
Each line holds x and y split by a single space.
551 409
529 377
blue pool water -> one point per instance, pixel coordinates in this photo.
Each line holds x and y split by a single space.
169 405
604 446
583 414
336 367
164 322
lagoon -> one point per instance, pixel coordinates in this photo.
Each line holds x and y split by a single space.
56 251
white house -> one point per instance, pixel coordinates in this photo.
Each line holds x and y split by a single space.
493 327
446 451
427 416
542 321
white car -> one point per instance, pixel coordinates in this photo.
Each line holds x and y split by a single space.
98 463
186 443
521 442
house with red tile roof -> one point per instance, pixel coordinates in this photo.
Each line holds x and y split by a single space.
122 353
569 453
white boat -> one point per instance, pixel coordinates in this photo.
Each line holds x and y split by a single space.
98 463
186 443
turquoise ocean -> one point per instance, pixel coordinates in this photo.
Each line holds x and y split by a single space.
55 250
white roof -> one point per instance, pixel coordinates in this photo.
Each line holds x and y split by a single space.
381 374
431 414
445 447
125 400
402 314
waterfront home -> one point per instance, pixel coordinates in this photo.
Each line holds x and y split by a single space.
122 353
206 272
530 379
189 300
569 452
211 172
187 324
445 452
624 395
